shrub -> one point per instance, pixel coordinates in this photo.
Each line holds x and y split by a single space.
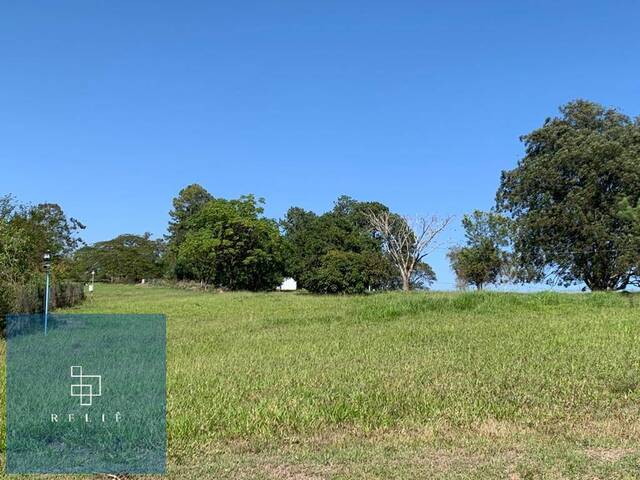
29 298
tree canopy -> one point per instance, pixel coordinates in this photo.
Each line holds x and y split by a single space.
188 202
406 241
337 252
568 196
483 260
230 244
126 258
28 231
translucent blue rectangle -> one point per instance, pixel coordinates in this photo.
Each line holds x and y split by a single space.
88 397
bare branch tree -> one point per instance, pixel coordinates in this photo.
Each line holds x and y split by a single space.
407 240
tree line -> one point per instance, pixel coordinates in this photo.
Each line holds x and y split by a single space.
26 233
568 213
230 244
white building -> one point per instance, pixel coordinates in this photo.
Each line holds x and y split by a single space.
288 285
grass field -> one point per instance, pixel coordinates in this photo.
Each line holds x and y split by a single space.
424 385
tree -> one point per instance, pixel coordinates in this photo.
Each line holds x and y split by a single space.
33 230
478 265
336 252
188 202
126 258
302 242
481 226
406 241
482 260
421 279
51 230
230 244
341 272
198 256
565 199
26 233
13 267
15 264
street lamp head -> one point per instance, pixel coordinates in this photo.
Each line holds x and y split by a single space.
46 260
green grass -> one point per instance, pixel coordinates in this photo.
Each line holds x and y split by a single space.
424 385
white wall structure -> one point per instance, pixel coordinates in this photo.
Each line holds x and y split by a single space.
288 285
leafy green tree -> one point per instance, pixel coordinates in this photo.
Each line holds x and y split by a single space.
421 277
26 233
49 229
230 244
478 265
198 256
565 199
481 226
188 202
12 265
126 258
15 264
483 260
33 230
337 252
341 272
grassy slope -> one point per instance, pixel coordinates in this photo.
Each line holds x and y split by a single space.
397 386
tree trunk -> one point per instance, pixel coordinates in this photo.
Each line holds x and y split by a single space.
406 284
606 284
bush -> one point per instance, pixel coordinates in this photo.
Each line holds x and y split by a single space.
29 298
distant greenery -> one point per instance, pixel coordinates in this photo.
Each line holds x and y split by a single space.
569 213
28 231
338 252
231 245
225 243
188 202
483 260
126 258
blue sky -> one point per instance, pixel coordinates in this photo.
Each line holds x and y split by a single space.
109 108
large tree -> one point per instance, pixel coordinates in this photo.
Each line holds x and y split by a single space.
31 230
188 202
230 244
406 241
337 252
126 258
26 233
566 198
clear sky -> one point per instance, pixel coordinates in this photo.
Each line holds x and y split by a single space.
110 107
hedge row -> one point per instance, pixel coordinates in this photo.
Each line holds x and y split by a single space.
30 298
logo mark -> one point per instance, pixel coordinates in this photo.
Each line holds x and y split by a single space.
90 386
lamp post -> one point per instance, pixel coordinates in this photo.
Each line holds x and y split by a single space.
46 262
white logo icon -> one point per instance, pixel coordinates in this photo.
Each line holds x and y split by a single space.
86 391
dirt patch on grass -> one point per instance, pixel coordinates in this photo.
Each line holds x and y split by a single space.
295 472
492 428
609 454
